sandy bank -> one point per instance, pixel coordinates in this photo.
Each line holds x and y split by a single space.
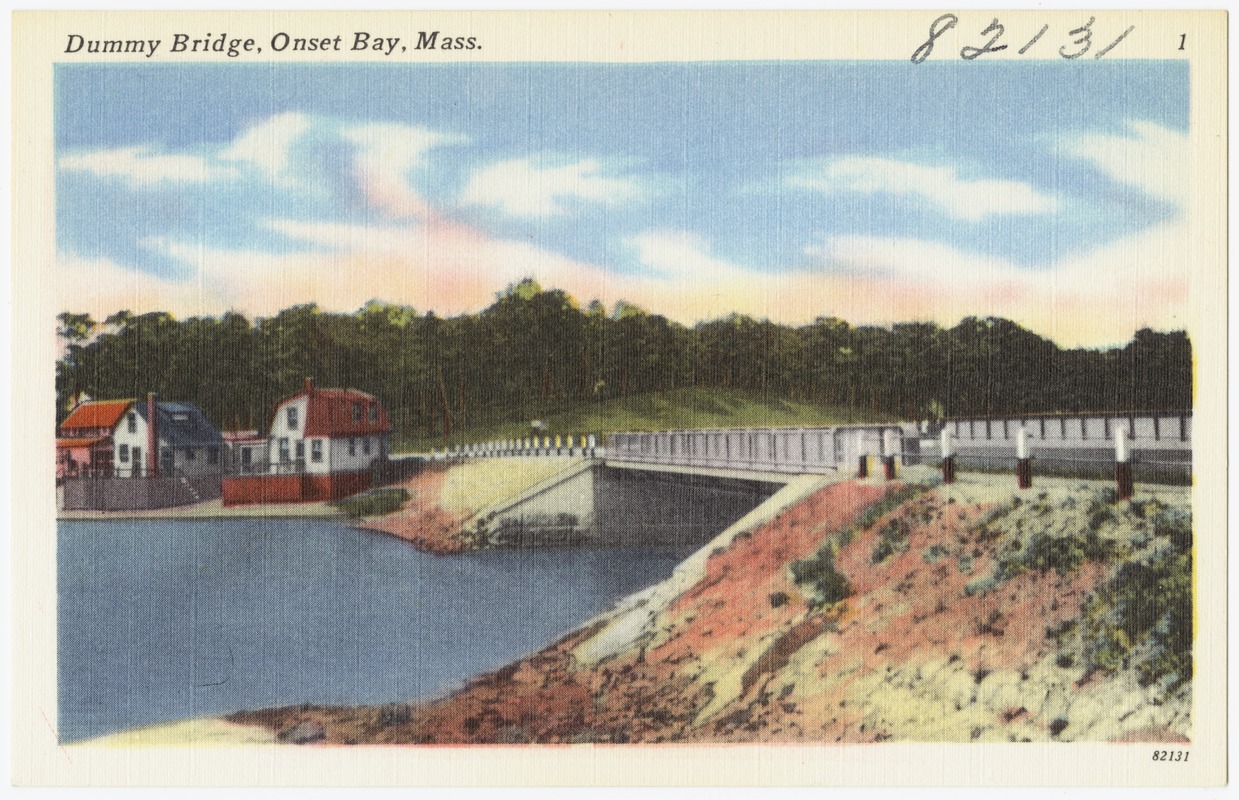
444 500
863 612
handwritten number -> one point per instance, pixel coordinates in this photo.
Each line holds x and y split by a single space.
1085 40
1034 39
1182 41
1081 40
939 27
1111 46
969 53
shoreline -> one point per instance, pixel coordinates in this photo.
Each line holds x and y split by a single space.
209 509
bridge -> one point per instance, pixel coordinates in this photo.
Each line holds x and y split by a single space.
684 486
765 451
1156 440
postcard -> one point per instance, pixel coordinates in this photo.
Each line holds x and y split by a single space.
607 398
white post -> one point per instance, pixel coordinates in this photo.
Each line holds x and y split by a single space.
1122 465
862 455
890 443
1122 451
1023 466
947 448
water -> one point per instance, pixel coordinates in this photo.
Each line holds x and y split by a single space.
165 620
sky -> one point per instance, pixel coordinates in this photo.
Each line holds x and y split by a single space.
1051 193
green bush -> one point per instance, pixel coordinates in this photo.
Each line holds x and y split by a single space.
1176 525
1063 554
887 503
373 503
1145 614
893 539
819 574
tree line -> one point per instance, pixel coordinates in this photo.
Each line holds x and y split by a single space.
536 351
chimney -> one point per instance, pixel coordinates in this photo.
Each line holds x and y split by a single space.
152 438
309 384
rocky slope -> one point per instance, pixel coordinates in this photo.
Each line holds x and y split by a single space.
861 612
445 499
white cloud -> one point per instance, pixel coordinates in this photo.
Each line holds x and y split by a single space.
1092 299
143 167
395 147
1098 298
959 197
1151 158
523 188
268 144
386 154
102 287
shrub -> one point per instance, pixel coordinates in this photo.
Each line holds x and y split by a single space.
1176 525
818 573
893 539
887 503
1144 614
373 503
934 553
1062 554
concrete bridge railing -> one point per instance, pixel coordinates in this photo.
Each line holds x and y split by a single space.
791 450
571 445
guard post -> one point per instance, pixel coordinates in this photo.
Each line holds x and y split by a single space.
1122 464
945 445
889 445
1023 464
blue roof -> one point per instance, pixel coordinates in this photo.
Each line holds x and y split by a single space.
183 425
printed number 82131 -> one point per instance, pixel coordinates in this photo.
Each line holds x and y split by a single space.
1171 755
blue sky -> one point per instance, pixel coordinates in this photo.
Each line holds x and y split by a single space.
1052 193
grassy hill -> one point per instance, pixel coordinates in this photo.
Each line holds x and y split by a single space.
682 409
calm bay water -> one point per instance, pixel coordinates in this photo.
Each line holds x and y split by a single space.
163 620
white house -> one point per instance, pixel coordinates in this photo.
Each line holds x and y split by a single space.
328 432
187 443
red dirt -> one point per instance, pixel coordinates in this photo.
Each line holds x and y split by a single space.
746 611
422 522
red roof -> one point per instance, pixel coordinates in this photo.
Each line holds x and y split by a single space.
62 444
342 412
97 414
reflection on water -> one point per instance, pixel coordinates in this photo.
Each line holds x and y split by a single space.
162 620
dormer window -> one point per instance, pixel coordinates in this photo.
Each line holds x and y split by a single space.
373 414
292 418
356 412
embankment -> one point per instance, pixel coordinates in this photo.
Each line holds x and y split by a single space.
860 612
443 499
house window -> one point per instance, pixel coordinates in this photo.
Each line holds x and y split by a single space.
352 446
373 412
365 445
284 450
292 418
301 450
124 453
131 422
316 449
356 412
212 455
